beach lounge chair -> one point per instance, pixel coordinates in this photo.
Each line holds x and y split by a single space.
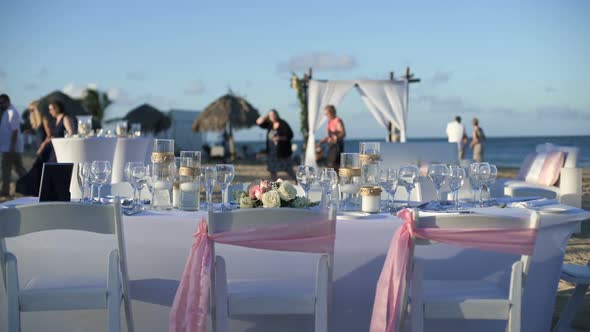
551 172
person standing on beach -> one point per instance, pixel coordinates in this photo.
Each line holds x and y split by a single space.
477 141
11 144
455 133
335 134
278 144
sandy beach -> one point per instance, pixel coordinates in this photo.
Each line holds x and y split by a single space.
578 249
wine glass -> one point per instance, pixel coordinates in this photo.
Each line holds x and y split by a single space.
483 177
407 177
148 181
84 179
101 171
209 176
306 176
133 176
474 180
491 179
438 174
328 178
456 179
225 175
388 181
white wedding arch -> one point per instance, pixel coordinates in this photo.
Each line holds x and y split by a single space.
387 100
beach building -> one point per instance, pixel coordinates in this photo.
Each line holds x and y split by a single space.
185 139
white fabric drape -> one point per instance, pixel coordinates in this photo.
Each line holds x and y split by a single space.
321 94
387 101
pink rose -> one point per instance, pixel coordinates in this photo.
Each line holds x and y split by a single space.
254 192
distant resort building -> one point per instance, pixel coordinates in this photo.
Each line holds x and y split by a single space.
181 131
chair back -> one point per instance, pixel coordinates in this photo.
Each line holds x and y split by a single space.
477 221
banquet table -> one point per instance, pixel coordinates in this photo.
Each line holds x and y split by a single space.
158 243
116 150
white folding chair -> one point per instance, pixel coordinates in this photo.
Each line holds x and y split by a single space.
578 275
268 297
104 219
465 299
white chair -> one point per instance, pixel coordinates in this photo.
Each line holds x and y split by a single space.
105 219
461 299
580 276
268 297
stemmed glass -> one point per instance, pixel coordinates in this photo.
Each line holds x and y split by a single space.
328 178
456 179
84 179
209 176
305 178
101 171
134 173
388 181
483 176
225 175
148 181
490 180
438 174
407 177
474 180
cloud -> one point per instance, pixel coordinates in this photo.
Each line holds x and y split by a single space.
31 86
550 89
562 112
136 75
196 88
446 104
43 72
77 91
318 61
439 78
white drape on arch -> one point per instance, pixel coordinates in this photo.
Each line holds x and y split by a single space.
387 101
319 95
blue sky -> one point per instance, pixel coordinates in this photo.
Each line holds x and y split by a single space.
521 67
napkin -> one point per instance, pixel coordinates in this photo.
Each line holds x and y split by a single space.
535 203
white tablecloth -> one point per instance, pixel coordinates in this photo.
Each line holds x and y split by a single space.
129 149
158 244
116 150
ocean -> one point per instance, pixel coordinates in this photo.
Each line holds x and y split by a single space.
501 151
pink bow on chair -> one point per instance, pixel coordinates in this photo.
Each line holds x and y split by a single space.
389 286
191 303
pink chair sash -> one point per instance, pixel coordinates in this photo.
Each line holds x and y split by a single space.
389 287
191 303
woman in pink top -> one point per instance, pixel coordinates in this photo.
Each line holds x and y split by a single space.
335 134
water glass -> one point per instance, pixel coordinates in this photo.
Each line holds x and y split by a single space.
370 148
121 129
388 180
209 176
136 129
84 179
225 175
101 172
306 176
328 178
407 177
438 174
84 125
135 173
456 179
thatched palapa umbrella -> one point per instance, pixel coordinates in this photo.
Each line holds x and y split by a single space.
151 118
72 106
228 112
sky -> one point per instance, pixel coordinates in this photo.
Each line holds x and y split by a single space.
521 67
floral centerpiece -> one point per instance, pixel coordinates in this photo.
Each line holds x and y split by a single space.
268 194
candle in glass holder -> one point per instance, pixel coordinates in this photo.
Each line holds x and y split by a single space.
163 173
189 179
349 174
371 199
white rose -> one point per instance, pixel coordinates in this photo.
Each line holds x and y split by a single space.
287 191
246 202
271 199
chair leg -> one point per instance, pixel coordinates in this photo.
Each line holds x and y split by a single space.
220 316
12 288
568 313
417 302
322 294
515 297
114 295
